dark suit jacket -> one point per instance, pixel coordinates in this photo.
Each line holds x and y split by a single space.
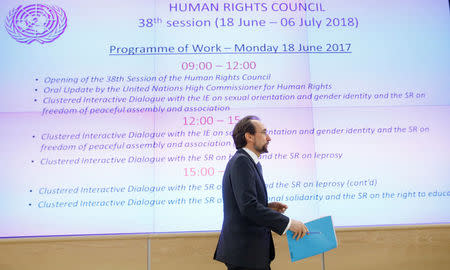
246 240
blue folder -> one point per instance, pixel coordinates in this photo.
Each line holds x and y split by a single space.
321 238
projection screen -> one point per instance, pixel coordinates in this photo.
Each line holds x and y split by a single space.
116 116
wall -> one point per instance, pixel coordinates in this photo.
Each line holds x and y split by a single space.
422 247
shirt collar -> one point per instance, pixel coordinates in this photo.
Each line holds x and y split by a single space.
252 155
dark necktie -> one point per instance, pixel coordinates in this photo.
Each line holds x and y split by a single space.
258 165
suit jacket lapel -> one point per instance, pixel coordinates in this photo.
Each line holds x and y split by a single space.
261 178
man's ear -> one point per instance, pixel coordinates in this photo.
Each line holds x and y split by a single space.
248 137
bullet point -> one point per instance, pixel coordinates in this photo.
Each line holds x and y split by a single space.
31 190
34 136
32 161
35 99
37 79
35 90
29 204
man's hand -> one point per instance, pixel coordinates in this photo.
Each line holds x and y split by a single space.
298 228
277 206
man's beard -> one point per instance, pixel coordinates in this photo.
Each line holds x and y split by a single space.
262 149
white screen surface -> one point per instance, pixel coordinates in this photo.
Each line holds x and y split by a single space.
116 116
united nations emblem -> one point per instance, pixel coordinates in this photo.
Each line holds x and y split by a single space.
42 23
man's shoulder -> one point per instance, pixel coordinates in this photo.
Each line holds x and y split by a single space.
239 159
240 154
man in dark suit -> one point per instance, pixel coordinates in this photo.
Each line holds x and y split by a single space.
245 242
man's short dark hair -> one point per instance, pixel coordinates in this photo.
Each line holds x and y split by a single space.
243 126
